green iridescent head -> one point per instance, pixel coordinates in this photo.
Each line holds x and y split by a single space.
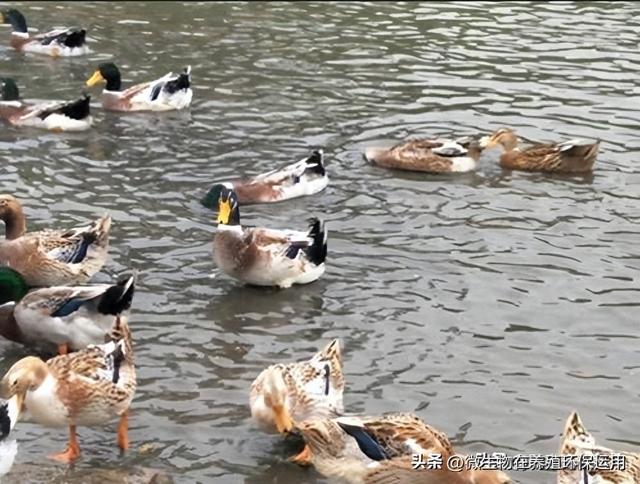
12 285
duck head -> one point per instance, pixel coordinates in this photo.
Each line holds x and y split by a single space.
210 200
16 19
13 217
504 137
12 286
107 72
25 375
9 89
276 407
228 207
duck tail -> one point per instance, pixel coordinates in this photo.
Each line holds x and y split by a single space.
9 414
584 154
75 38
317 251
118 297
315 164
332 354
182 82
78 109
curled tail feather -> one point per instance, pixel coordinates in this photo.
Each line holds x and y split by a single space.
317 251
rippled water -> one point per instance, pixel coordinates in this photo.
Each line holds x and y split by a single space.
491 303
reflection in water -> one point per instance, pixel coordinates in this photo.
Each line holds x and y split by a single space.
491 303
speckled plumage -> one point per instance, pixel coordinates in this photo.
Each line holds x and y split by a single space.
312 389
90 387
337 454
431 156
570 157
49 257
576 440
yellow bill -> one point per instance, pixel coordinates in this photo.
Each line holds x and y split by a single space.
95 79
224 211
282 419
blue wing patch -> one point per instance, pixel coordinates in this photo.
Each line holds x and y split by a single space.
367 444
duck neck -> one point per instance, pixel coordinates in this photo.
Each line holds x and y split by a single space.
8 325
15 223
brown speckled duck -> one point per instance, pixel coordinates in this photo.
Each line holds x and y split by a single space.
52 257
572 156
90 387
367 450
576 440
293 392
431 156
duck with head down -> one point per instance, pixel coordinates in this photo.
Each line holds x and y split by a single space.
377 450
430 156
57 43
52 257
168 93
306 177
90 387
286 393
573 156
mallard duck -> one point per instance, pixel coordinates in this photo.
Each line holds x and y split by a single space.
51 258
266 257
576 440
431 156
53 115
65 318
286 393
164 94
373 449
306 177
90 387
57 43
573 156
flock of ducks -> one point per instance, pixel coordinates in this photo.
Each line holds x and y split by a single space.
47 303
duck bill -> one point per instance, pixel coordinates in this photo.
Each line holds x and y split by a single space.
95 79
282 419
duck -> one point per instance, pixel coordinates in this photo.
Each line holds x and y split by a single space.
51 115
8 447
267 257
56 43
428 155
61 318
170 92
90 387
294 392
305 177
574 156
576 440
51 257
369 449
